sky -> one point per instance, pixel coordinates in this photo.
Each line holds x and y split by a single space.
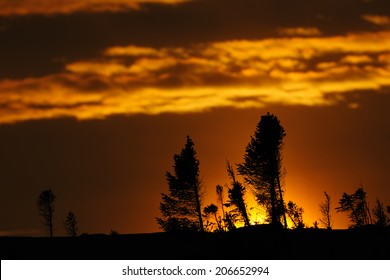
96 96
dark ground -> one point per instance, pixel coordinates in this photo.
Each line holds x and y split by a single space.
259 243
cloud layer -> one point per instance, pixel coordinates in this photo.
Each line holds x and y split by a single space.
310 71
45 7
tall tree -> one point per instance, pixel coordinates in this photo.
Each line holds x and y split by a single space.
70 224
325 208
262 167
357 208
181 208
236 195
45 205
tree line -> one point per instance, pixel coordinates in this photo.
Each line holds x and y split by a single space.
262 172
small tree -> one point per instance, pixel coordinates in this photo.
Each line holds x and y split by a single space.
295 213
380 217
70 224
236 195
45 205
114 232
213 209
357 208
230 219
325 208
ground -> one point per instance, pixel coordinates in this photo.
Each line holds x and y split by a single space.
261 242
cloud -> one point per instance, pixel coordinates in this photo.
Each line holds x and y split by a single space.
309 71
27 7
377 19
357 59
300 31
131 51
304 48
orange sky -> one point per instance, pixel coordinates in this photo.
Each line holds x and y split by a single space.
97 96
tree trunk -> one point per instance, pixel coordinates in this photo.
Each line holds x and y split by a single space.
274 215
282 202
198 208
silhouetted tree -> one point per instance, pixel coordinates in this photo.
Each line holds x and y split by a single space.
295 213
181 208
236 195
114 232
213 209
381 218
262 167
230 219
357 208
45 205
325 208
70 224
219 191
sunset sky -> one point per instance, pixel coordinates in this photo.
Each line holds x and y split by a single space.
96 96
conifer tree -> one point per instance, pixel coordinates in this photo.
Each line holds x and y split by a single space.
380 217
45 204
262 167
236 195
295 213
181 207
70 224
357 208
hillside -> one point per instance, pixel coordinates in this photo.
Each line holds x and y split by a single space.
260 242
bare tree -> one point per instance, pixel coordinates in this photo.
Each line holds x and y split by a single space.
70 224
325 208
45 205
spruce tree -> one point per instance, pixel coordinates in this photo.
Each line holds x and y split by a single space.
181 207
262 167
45 204
70 224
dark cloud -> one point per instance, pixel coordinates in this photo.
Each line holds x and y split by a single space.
39 45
